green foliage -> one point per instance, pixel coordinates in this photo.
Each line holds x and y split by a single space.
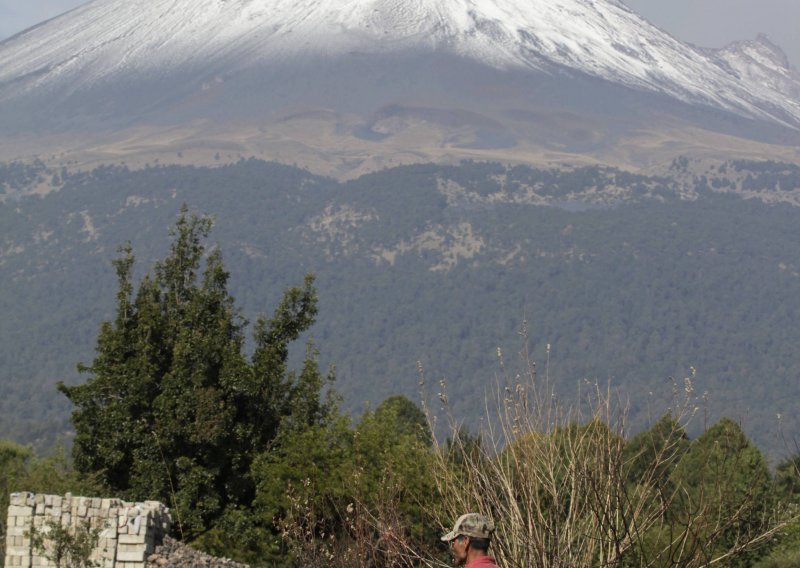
727 492
14 463
637 291
172 409
311 467
328 487
654 453
407 417
463 447
782 559
18 176
393 453
570 490
717 486
14 467
787 479
785 549
66 547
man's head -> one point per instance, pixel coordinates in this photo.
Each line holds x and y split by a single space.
470 537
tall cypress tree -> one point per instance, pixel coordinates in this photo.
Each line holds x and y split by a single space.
172 409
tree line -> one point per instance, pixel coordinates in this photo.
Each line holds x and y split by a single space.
636 292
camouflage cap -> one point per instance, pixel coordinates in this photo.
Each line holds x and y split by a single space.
474 525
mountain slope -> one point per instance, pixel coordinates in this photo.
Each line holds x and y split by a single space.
760 62
630 279
215 67
109 38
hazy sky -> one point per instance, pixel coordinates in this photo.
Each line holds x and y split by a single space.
708 23
714 23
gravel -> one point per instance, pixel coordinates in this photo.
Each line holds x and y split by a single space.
174 554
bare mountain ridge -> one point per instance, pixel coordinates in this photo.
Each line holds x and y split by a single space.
348 86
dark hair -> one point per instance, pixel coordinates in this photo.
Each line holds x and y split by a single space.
479 543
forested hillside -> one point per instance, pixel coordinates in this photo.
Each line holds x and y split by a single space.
257 461
630 279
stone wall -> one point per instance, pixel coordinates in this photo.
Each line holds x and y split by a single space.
128 532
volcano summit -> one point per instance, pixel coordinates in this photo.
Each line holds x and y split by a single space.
345 86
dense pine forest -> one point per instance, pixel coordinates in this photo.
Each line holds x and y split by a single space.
632 281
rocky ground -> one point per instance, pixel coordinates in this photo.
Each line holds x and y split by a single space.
174 554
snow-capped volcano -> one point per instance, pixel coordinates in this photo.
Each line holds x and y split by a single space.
181 60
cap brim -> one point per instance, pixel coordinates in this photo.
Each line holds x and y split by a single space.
449 536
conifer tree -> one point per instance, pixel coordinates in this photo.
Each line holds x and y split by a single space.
725 496
651 455
172 409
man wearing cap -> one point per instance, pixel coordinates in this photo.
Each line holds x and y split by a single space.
469 541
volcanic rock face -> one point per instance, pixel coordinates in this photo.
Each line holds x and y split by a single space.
564 76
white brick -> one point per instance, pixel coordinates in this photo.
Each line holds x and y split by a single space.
109 532
128 530
131 539
18 551
18 499
20 511
131 556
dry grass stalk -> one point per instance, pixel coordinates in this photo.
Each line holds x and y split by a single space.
363 536
559 482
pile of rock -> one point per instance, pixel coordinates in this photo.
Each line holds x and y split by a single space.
174 554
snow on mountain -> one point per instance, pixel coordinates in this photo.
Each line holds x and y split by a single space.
760 62
106 39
